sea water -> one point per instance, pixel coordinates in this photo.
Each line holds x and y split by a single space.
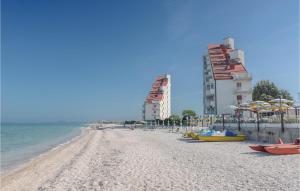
22 142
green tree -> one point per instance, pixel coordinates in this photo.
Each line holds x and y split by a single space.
187 116
285 94
189 113
265 91
175 119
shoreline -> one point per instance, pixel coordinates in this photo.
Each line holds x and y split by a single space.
112 158
24 162
8 177
68 149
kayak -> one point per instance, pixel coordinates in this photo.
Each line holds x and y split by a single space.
260 148
284 149
280 148
221 138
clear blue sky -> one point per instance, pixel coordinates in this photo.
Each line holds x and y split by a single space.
85 60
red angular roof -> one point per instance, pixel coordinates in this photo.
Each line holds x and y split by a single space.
155 93
222 67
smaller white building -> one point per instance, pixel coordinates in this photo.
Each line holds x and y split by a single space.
158 102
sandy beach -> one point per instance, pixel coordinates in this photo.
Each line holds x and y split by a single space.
124 159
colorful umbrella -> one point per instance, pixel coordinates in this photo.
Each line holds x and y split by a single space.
278 100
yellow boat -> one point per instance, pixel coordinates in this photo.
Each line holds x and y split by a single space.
194 135
191 134
221 138
188 134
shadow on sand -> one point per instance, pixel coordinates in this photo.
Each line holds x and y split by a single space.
189 140
260 154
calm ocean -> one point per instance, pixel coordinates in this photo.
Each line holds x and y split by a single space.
21 142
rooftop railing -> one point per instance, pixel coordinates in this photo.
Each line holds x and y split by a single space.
242 76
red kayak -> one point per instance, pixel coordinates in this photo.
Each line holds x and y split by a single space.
279 149
283 149
261 148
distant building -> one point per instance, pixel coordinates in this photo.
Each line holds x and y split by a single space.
225 78
158 102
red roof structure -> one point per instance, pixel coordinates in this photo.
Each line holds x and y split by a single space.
222 66
156 92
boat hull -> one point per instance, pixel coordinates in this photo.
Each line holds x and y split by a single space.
194 135
283 149
260 148
222 138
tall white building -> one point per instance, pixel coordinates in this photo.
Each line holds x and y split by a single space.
158 102
225 78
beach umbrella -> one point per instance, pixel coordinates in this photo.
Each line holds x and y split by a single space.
279 100
241 107
281 105
258 103
233 107
257 106
252 103
244 106
264 111
237 109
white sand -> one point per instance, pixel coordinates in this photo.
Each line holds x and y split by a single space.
123 159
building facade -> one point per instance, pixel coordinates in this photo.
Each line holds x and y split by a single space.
158 102
225 78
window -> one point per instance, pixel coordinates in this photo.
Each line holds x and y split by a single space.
208 87
238 84
210 97
208 78
212 86
239 99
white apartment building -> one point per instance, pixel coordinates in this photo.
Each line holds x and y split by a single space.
225 78
158 102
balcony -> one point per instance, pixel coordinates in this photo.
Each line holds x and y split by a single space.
210 98
210 103
209 92
242 76
243 90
